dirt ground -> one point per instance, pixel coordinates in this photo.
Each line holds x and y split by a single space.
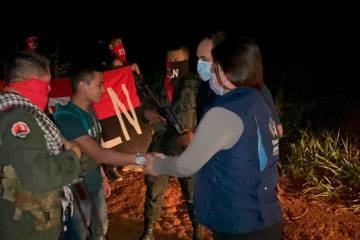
303 218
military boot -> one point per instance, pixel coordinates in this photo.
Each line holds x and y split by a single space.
148 231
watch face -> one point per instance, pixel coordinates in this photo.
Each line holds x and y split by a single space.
140 159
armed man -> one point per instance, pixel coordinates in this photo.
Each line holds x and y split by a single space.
178 95
116 59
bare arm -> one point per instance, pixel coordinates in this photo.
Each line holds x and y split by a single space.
104 155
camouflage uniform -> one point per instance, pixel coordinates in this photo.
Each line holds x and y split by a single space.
183 107
31 180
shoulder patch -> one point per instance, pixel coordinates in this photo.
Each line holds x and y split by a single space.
20 129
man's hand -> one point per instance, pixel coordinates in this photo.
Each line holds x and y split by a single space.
185 139
107 187
135 68
72 146
149 163
153 116
67 143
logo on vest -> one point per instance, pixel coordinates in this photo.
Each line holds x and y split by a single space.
20 129
275 137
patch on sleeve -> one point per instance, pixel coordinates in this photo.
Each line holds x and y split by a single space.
20 129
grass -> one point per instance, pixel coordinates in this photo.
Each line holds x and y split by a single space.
324 164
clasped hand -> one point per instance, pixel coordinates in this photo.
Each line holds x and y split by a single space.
151 158
72 146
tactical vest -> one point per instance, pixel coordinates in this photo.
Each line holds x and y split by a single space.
45 207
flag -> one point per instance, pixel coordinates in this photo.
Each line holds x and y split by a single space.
119 111
122 83
60 92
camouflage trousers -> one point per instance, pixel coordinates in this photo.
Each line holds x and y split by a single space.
156 187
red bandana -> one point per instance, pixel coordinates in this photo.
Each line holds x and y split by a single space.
35 90
119 51
169 88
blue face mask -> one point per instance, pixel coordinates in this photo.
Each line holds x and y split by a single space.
204 69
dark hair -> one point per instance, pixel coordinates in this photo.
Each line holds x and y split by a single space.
240 59
25 65
82 75
177 46
215 37
114 38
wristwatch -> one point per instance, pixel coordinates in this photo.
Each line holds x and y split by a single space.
140 159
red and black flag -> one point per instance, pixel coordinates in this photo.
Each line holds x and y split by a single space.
119 111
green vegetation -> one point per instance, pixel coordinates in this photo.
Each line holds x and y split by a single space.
317 157
324 165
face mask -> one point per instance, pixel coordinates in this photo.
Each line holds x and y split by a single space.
215 86
204 70
119 51
35 90
31 44
179 69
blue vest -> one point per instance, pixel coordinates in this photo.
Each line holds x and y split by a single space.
235 191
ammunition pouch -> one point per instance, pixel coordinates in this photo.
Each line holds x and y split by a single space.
9 182
45 207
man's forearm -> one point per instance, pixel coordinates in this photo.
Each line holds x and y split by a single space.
115 158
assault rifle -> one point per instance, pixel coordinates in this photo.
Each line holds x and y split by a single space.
163 111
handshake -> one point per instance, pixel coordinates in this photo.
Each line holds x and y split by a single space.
115 158
150 161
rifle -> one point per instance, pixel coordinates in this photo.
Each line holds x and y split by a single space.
81 192
163 111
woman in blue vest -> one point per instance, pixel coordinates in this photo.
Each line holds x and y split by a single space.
234 152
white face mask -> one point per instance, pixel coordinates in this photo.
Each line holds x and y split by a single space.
215 86
204 70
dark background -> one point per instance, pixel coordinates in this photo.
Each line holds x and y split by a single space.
313 45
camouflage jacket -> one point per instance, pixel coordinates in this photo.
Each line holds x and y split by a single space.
183 106
32 179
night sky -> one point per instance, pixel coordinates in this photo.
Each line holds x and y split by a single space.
316 40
